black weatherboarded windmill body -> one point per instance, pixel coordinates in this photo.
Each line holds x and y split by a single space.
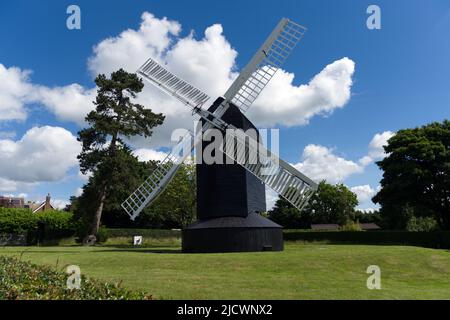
231 195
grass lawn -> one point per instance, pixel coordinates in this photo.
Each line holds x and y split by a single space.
302 271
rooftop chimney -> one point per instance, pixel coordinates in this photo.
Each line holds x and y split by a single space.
47 202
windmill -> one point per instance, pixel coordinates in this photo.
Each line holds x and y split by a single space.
229 196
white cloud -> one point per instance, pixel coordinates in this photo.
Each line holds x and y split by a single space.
368 210
7 134
78 192
320 163
132 48
376 150
7 185
59 204
68 103
365 161
14 90
149 154
283 103
364 193
271 198
42 154
84 177
208 63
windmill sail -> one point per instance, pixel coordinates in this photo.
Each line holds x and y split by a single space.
264 64
171 84
155 184
280 176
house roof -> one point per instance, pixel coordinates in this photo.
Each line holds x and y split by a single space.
40 206
328 226
369 226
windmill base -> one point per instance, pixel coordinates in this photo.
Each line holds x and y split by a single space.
233 234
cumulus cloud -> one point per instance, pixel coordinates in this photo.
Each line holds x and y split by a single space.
368 210
364 192
84 177
132 48
69 103
7 134
149 154
59 203
208 62
283 103
14 89
7 185
78 192
271 198
376 150
42 154
320 163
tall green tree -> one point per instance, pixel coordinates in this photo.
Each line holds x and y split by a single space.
127 176
115 116
286 215
332 204
176 206
416 176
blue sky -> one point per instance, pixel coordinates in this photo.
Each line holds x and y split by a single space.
401 76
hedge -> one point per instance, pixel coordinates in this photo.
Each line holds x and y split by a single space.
46 225
437 239
149 233
25 281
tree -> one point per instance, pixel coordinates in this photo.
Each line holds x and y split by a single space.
332 204
127 176
416 176
288 216
176 206
115 116
367 217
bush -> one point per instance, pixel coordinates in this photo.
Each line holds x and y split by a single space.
421 224
25 281
17 221
351 226
46 225
149 233
54 224
102 234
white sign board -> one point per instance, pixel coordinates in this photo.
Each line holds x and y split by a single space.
137 240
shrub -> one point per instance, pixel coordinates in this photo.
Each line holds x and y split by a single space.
146 233
421 224
37 227
351 226
24 281
17 221
102 234
54 224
